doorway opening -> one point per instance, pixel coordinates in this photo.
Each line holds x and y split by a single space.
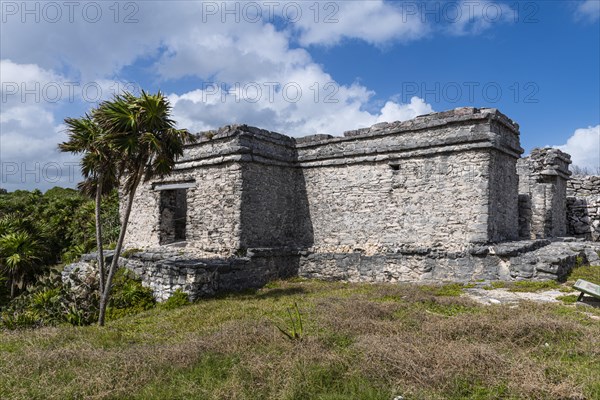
173 216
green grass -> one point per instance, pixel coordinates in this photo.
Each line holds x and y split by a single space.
589 273
568 299
533 286
359 342
523 286
449 289
497 285
129 252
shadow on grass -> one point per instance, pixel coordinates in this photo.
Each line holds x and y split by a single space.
278 293
239 294
264 293
588 301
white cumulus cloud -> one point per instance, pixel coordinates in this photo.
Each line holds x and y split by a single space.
474 17
31 97
401 112
588 10
374 21
238 69
584 148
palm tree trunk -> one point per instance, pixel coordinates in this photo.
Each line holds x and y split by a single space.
113 266
12 285
99 235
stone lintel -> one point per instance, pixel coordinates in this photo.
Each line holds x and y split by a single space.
173 186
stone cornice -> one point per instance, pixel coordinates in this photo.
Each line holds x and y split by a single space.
461 129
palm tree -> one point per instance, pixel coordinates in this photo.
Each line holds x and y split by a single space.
97 167
141 131
19 254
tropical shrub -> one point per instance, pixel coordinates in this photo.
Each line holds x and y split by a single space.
49 301
177 299
128 296
60 225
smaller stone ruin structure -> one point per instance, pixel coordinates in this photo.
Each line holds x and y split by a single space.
583 205
543 178
444 196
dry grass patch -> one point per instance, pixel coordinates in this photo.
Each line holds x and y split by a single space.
360 342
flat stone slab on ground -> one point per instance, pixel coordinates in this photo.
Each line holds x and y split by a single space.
504 296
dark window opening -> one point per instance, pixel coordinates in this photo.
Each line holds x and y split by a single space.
395 167
173 215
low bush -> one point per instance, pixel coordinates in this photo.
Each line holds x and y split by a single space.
177 299
128 296
49 302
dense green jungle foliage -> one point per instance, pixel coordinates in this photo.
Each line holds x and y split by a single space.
41 230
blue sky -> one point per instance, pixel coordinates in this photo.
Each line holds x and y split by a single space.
296 68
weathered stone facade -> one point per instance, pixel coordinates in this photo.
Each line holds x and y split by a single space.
429 199
583 205
442 181
543 177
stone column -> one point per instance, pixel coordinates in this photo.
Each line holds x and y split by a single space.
583 207
543 193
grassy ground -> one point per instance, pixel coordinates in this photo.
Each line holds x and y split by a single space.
358 341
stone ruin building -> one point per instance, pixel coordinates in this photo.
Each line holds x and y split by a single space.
442 197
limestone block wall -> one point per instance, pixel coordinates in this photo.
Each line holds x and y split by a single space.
213 206
434 201
503 218
274 211
583 207
441 180
542 188
143 227
242 190
165 271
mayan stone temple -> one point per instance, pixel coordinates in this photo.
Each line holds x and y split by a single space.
442 197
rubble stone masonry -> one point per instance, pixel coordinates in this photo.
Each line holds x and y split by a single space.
443 196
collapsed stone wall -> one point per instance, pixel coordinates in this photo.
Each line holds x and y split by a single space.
165 271
583 205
